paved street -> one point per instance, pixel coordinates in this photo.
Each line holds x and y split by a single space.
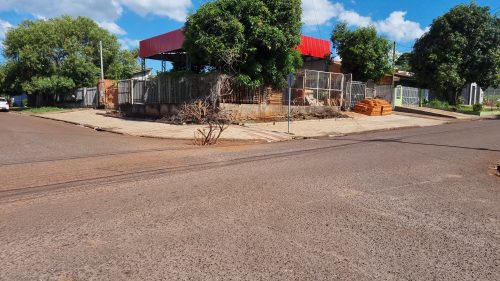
409 204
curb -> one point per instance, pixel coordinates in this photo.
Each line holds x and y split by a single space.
99 129
295 137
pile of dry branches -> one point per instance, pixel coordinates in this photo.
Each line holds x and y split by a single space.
205 113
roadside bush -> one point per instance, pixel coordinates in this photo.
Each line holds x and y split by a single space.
498 104
439 104
477 107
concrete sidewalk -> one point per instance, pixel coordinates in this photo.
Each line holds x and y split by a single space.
436 112
269 132
95 119
355 124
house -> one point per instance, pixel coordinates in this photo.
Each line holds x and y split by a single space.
314 87
142 74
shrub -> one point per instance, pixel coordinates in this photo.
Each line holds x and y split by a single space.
439 104
477 107
498 104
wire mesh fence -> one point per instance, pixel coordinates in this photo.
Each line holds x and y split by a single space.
492 94
411 96
318 88
385 92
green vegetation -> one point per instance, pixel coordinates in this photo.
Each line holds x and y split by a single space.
363 52
403 62
461 47
439 104
38 110
477 107
254 40
57 55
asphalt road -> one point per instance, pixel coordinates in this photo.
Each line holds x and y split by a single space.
412 204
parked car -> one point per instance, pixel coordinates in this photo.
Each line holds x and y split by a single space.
4 104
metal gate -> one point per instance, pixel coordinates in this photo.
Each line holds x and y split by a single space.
385 92
411 96
87 97
124 91
355 92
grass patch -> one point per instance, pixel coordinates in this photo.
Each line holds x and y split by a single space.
465 109
45 109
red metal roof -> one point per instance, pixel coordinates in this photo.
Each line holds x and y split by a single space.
168 42
172 42
314 47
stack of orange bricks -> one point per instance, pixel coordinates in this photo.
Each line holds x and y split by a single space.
373 107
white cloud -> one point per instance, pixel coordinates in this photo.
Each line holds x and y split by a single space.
4 27
176 10
112 27
395 27
129 44
105 12
398 28
319 12
100 10
355 19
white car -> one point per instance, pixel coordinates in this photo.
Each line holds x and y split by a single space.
4 105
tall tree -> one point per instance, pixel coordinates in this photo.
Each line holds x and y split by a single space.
462 46
403 62
124 64
363 52
255 40
59 54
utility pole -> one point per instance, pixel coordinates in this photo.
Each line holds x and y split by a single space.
290 80
394 55
101 92
393 69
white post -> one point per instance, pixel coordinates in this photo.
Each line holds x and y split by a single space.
317 90
329 89
341 90
304 84
84 97
131 91
102 75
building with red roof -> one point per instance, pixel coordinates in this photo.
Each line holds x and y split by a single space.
168 47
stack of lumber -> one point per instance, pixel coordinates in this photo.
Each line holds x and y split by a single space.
275 98
373 107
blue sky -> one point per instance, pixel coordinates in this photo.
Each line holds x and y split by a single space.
132 20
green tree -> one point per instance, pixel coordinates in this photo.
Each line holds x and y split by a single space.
124 64
255 40
403 62
58 55
363 52
462 46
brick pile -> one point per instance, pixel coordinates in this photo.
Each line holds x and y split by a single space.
373 107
